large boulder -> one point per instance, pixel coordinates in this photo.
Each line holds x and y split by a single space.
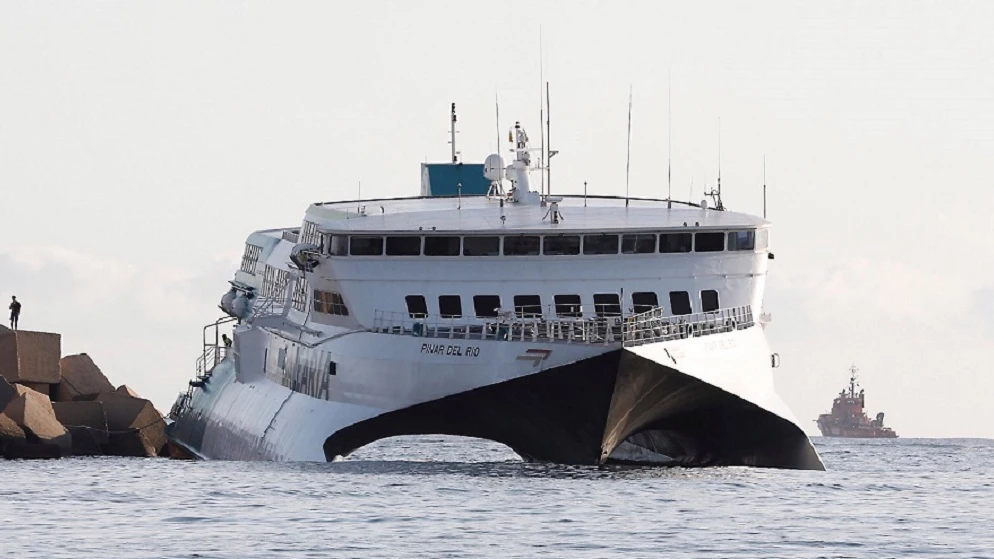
27 356
33 413
80 377
136 428
87 423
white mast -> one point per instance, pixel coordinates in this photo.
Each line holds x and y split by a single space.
628 154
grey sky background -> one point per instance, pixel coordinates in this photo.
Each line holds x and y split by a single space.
141 142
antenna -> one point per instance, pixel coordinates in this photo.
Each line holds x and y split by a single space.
719 163
628 155
541 80
497 120
548 136
669 141
452 133
764 186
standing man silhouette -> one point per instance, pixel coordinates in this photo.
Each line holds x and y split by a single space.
15 312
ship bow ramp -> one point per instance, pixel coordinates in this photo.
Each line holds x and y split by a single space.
626 405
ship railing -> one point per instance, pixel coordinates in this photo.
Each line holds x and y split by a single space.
214 351
605 330
653 326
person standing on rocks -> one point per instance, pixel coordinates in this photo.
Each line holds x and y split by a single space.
15 312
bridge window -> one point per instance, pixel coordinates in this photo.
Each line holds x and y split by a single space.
639 243
568 306
441 246
486 306
607 304
365 246
250 258
329 302
741 240
600 244
338 245
521 245
403 246
417 307
561 244
449 306
675 242
527 306
680 302
481 246
709 242
709 300
644 301
763 239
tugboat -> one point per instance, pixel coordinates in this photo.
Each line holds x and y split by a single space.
847 418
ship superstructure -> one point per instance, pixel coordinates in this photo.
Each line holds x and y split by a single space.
573 329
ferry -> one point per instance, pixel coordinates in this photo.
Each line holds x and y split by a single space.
573 329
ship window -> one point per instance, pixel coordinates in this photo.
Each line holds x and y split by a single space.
486 305
741 240
521 245
338 245
281 358
403 246
441 246
709 242
562 244
607 304
527 306
680 302
645 301
641 243
675 242
600 244
449 306
417 307
250 258
763 239
332 368
481 246
568 306
329 302
709 300
365 246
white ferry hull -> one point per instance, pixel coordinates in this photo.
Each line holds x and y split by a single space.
698 401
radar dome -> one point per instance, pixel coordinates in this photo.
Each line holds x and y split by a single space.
493 167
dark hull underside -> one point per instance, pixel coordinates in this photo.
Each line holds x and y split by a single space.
616 407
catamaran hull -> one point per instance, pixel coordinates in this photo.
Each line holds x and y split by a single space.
705 401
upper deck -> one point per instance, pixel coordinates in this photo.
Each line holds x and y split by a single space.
482 214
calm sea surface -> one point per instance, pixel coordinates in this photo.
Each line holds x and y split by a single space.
451 497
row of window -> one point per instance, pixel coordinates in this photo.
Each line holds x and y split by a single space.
250 258
566 306
550 245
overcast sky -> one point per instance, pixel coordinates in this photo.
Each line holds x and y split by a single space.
141 142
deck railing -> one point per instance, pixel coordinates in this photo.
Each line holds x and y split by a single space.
631 330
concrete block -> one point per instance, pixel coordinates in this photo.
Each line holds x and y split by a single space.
27 356
7 393
136 427
33 412
81 413
80 377
127 391
40 387
87 441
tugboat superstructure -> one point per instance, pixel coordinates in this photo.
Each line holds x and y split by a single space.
848 418
573 329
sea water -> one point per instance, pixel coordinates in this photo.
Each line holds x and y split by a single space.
455 497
